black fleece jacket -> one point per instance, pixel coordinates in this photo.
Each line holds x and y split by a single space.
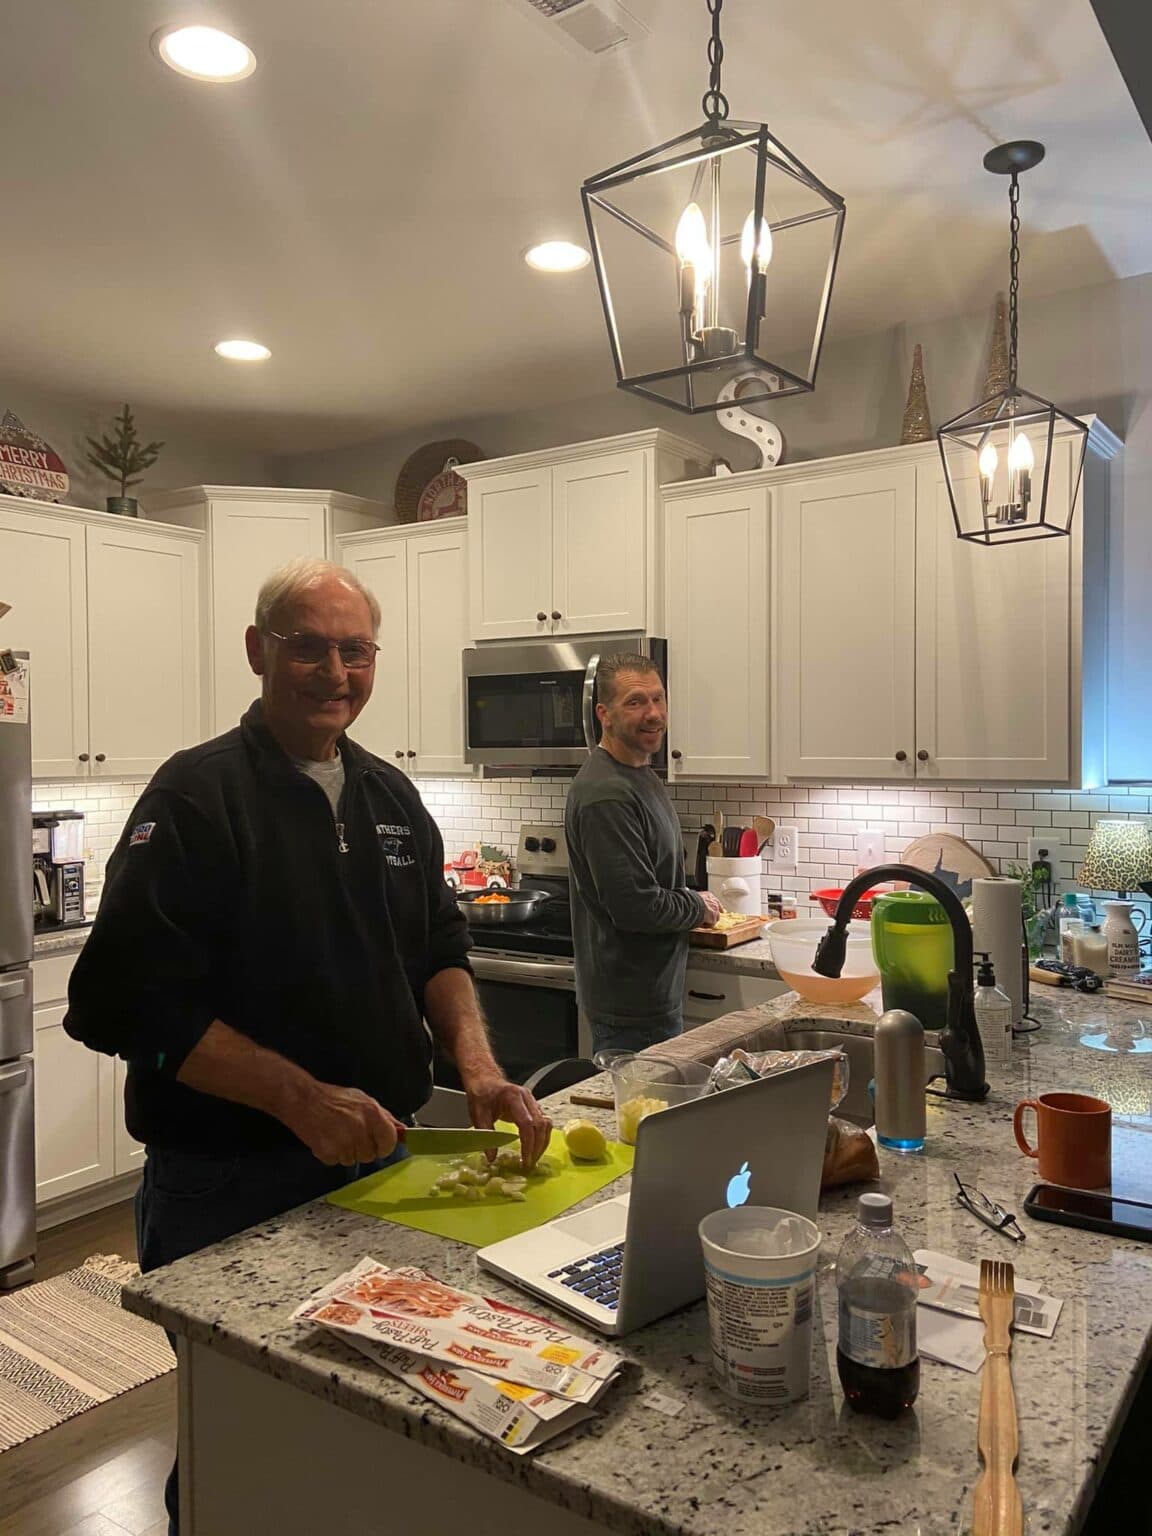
232 895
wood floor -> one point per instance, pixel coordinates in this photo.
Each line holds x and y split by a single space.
101 1474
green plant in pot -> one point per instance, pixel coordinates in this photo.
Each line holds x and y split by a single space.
1035 919
123 458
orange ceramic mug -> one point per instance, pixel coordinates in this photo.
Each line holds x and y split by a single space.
1073 1138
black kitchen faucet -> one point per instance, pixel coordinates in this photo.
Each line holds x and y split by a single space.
960 1042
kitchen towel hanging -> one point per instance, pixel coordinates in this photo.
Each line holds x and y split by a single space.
997 928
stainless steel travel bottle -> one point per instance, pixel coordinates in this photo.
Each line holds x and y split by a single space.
901 1118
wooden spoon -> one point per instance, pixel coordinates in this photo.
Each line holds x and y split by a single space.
764 827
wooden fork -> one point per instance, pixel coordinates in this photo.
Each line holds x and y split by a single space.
997 1509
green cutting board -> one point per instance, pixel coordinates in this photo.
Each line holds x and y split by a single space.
403 1194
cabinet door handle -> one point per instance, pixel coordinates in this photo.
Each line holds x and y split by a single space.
411 753
677 754
399 751
922 756
83 758
901 757
556 614
99 757
541 617
708 997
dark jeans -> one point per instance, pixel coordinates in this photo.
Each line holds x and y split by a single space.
190 1200
625 1035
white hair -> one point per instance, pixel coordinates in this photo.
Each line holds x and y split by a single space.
293 579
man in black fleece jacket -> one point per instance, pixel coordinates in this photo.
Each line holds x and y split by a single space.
275 925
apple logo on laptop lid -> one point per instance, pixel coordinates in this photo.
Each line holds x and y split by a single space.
739 1187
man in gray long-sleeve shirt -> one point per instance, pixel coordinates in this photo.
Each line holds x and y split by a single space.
631 909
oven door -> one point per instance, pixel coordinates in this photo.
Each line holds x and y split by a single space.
530 1006
533 705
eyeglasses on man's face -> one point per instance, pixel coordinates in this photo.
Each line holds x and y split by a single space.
987 1211
310 650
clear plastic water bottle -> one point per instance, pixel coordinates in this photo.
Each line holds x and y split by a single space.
876 1280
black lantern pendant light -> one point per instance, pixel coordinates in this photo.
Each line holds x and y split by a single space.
1013 462
713 250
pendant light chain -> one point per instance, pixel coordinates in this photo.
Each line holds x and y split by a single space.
1014 285
715 103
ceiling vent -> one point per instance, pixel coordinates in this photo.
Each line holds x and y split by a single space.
596 25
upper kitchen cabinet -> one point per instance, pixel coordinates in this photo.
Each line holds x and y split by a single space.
251 532
112 625
716 551
905 653
846 628
418 575
564 541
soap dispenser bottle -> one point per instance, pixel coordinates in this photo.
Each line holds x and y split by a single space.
993 1014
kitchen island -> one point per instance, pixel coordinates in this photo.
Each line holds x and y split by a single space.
285 1429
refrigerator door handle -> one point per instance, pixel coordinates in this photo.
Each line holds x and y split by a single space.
15 986
13 1077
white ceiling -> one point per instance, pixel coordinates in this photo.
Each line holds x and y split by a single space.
360 204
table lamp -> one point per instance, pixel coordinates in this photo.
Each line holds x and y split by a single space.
1118 858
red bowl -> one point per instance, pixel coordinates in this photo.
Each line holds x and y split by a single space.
829 900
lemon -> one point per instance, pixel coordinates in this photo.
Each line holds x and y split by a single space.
585 1141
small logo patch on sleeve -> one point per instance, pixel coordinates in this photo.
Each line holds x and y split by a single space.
142 833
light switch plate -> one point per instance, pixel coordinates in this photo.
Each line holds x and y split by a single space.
784 847
870 847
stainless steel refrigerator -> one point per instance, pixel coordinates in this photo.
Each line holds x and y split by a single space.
17 1095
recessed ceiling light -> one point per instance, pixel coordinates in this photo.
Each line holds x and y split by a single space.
557 256
203 53
243 351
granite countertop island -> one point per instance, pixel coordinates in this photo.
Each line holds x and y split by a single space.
812 1469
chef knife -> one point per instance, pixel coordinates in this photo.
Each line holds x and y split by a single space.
432 1141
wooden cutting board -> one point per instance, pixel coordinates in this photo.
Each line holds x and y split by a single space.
712 938
950 858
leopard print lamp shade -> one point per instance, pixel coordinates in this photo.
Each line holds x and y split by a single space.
1118 858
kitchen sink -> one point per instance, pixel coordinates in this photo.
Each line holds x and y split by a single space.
860 1051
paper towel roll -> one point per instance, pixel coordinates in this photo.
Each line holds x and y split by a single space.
997 928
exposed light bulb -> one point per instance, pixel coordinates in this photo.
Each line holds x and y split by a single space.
763 251
1020 455
989 461
695 260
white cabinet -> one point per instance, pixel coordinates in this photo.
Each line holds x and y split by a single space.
710 994
565 541
418 575
251 532
994 645
109 610
42 561
81 1138
716 543
905 653
143 647
846 625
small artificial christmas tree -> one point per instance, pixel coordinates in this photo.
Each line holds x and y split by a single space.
121 458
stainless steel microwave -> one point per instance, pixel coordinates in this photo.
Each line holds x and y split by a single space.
532 703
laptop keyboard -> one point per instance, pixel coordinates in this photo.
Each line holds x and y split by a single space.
596 1276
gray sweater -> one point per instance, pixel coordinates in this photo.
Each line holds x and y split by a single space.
631 910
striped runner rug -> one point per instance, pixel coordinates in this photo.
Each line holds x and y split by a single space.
66 1345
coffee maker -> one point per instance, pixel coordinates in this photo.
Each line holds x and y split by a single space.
57 869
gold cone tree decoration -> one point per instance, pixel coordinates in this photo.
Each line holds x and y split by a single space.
917 426
997 376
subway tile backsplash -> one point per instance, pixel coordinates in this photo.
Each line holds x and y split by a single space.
999 822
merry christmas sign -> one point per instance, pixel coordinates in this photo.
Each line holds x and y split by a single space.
28 466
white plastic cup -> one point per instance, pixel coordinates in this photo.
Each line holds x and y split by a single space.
760 1271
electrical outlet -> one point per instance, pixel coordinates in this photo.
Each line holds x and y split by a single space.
1047 847
870 847
784 848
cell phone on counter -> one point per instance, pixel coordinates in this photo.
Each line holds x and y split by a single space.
1096 1213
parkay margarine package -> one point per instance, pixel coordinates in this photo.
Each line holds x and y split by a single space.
411 1310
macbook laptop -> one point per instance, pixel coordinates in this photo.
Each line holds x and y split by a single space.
627 1261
